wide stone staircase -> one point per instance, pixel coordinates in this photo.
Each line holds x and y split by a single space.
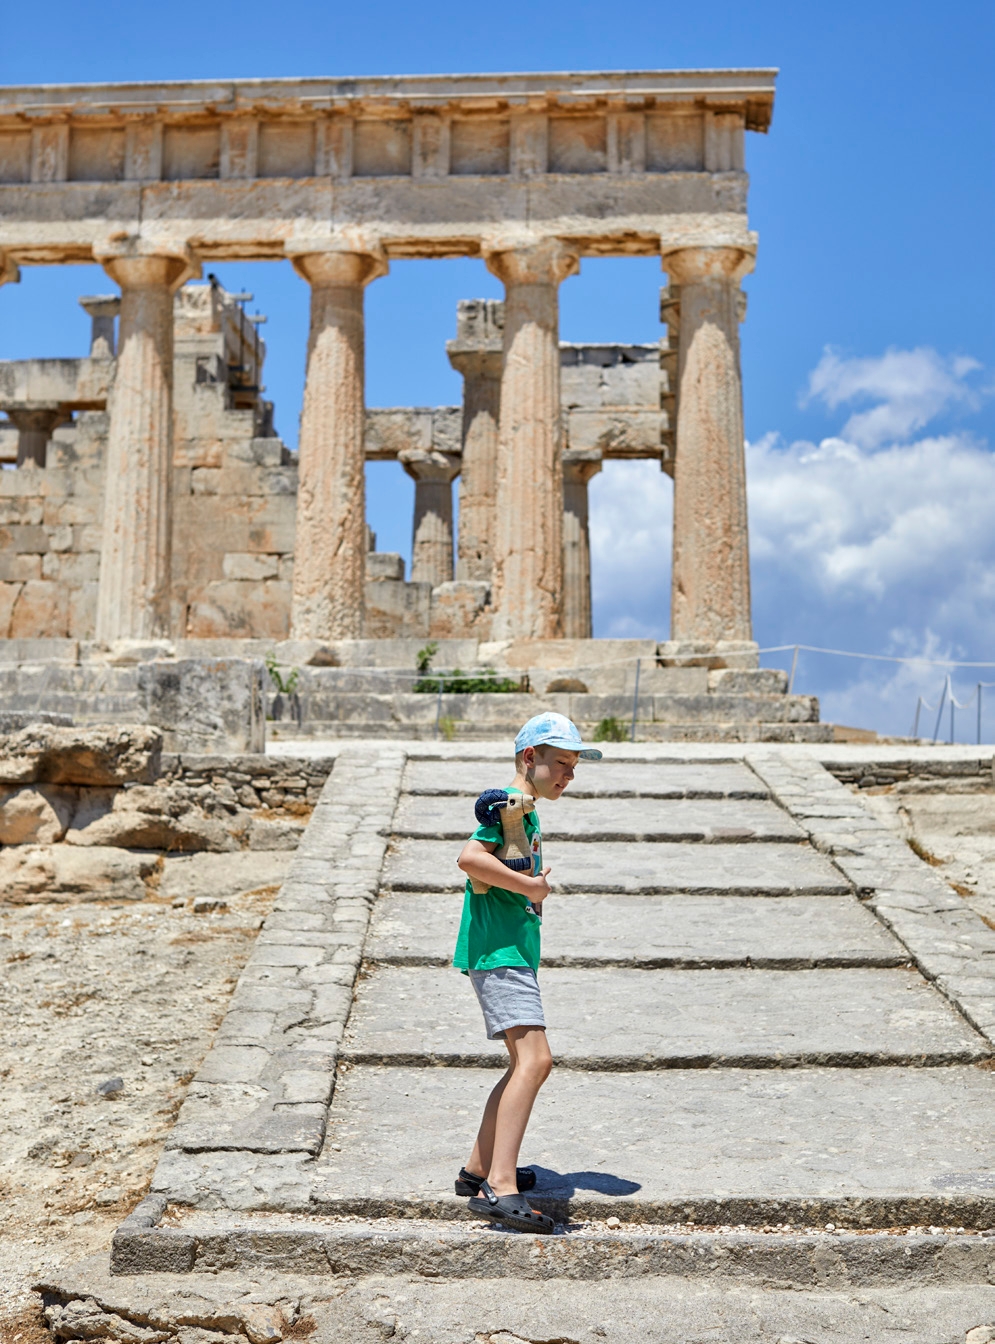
773 1030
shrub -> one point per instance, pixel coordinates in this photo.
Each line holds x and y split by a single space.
611 730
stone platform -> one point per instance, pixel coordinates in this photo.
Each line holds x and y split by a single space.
213 694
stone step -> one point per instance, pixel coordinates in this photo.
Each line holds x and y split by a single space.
709 707
470 729
420 929
598 819
623 1019
875 1147
594 779
658 868
697 1272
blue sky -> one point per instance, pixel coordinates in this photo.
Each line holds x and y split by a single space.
869 347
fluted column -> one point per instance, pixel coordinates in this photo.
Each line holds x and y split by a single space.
34 429
133 598
330 544
527 589
432 531
101 309
579 465
711 575
476 354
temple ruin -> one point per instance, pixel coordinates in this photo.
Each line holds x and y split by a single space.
148 501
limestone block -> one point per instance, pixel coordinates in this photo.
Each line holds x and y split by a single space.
382 565
240 607
30 873
83 610
246 565
221 875
9 593
743 681
16 568
26 538
459 609
394 608
254 452
206 704
149 818
69 512
92 756
41 609
35 816
21 511
205 480
71 570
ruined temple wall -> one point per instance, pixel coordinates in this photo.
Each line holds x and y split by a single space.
50 526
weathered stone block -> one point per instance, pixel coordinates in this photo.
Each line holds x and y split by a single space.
247 565
93 756
206 704
460 609
35 815
19 568
41 608
240 607
31 873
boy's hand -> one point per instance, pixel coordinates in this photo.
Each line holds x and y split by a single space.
540 887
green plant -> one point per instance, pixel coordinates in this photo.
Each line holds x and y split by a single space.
447 727
286 685
458 683
611 730
423 658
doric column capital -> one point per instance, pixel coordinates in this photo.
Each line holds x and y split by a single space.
38 419
689 265
428 464
345 260
580 464
136 262
523 259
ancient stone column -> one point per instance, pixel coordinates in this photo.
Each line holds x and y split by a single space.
102 309
528 527
432 533
579 465
133 598
330 545
710 599
34 429
476 354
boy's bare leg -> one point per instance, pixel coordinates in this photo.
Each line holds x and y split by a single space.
531 1062
483 1150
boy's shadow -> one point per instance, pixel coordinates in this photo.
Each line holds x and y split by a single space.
565 1184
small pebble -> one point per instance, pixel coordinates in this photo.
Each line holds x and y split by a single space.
110 1087
613 1222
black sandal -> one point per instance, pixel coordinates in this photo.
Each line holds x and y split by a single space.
468 1184
511 1210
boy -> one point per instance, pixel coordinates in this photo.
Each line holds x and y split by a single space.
498 948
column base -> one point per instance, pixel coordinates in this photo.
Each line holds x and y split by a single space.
739 653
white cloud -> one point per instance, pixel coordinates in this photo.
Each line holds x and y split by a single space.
857 542
910 388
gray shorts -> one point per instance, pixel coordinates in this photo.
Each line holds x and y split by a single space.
509 997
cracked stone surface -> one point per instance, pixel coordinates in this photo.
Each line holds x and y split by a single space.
777 869
419 928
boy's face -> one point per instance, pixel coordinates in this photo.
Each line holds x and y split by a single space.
550 769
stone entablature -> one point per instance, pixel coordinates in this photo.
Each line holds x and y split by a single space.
432 165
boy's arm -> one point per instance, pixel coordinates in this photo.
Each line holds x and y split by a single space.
477 860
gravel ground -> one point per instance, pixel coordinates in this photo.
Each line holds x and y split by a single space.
91 993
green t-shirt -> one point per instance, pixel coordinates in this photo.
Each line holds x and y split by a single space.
498 927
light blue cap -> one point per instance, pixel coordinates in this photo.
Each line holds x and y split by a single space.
554 730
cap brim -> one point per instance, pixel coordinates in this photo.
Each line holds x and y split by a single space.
585 753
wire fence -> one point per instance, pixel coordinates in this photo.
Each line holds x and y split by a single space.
945 698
